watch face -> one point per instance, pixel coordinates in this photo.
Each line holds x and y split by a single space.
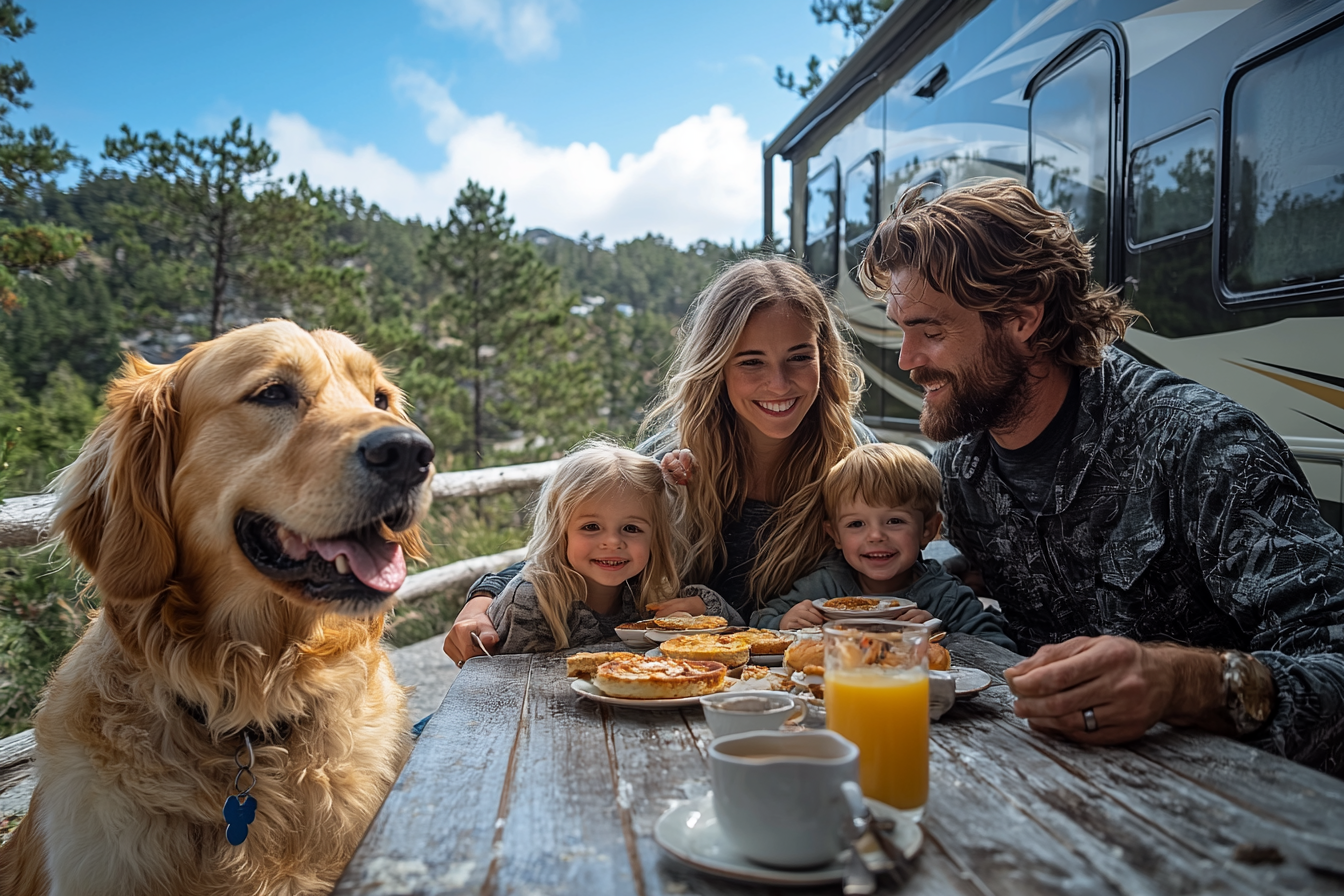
1248 688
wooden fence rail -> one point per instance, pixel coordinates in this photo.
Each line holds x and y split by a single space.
26 521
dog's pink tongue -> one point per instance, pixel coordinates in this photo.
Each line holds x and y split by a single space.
380 566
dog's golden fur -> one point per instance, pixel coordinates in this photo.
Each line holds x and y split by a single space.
131 784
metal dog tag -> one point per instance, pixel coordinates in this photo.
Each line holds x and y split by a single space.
239 811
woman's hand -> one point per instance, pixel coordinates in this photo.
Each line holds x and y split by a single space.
693 605
473 618
678 466
803 614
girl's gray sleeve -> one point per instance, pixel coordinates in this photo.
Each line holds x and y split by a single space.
715 605
494 582
516 616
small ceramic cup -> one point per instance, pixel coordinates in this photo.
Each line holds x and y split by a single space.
777 794
730 713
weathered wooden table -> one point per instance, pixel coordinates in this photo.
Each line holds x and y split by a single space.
518 786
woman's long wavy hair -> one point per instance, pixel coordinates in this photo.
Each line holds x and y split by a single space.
993 248
694 412
597 470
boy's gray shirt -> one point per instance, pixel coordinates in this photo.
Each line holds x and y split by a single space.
516 616
934 589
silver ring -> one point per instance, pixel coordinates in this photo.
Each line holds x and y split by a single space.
1089 720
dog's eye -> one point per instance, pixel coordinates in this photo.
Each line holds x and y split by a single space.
275 394
381 401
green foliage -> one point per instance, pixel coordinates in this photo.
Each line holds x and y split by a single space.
27 160
41 617
855 17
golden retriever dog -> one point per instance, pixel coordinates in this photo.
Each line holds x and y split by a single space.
244 514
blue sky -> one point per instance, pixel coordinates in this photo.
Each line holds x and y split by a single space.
617 118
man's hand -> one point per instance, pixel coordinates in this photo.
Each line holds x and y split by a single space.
1128 686
473 618
693 605
678 466
801 615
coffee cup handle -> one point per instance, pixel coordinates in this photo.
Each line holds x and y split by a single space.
800 709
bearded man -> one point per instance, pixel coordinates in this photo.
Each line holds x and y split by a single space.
1152 541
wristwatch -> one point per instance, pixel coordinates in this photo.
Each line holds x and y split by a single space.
1248 691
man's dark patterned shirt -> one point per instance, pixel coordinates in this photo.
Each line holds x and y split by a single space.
1175 515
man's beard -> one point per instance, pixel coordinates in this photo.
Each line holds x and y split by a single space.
991 393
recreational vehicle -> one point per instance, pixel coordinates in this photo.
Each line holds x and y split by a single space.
1200 143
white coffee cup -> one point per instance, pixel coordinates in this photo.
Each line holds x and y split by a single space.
730 713
777 794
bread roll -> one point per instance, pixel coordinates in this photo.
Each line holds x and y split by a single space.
805 652
939 658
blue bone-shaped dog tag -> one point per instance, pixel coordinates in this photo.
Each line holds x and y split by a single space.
239 812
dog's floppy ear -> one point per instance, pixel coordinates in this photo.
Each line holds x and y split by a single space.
113 501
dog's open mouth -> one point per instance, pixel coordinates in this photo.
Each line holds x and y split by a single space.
359 565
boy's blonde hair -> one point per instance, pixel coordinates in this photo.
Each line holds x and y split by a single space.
883 475
596 469
695 412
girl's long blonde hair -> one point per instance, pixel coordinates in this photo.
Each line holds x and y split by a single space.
594 470
694 412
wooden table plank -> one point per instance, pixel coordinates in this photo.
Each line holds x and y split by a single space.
561 831
436 831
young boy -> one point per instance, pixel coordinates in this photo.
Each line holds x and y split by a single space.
881 504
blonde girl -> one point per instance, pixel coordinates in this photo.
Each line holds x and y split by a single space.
602 553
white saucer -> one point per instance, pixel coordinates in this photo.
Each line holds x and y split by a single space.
970 681
634 637
690 832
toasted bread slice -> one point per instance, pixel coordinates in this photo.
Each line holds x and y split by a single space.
583 665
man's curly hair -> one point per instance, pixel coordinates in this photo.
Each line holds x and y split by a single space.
993 248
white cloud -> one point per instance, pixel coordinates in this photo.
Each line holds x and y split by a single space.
700 179
520 28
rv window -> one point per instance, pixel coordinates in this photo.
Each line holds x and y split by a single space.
1070 122
1171 184
1285 171
822 253
860 209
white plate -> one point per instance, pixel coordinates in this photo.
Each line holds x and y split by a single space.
634 637
970 681
690 832
889 607
659 635
590 691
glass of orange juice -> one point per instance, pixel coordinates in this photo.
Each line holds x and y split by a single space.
877 696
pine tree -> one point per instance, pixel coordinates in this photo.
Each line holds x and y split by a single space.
523 351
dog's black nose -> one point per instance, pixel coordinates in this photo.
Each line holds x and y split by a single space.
398 454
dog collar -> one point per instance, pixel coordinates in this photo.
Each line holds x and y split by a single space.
256 734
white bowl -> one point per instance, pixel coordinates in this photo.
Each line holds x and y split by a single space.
634 637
